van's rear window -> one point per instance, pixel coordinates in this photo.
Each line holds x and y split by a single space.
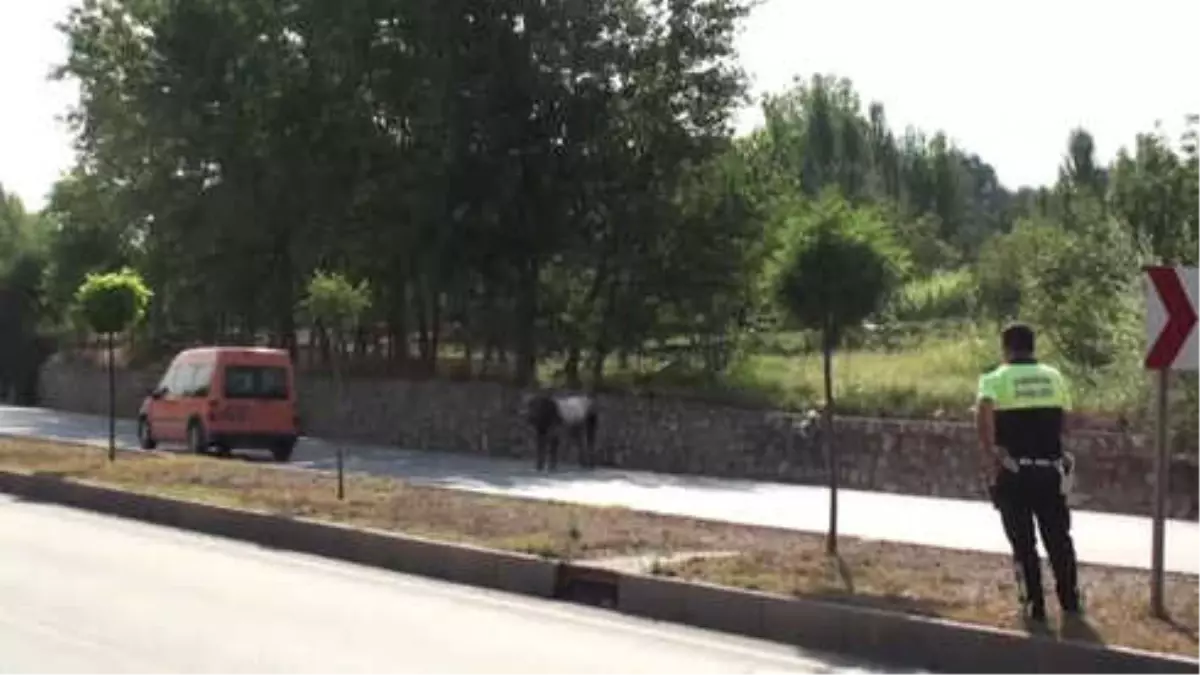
269 382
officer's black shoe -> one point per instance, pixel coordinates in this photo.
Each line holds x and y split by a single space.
1074 610
1034 617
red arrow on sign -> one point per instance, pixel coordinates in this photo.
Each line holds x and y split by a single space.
1181 318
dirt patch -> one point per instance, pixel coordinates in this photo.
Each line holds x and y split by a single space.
975 587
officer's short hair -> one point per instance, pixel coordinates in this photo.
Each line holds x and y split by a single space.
1018 338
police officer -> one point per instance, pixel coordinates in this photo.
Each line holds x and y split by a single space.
1020 415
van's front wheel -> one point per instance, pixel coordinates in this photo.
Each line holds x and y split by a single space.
145 436
196 443
282 451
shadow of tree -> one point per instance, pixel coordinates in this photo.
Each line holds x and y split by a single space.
844 573
889 602
1181 628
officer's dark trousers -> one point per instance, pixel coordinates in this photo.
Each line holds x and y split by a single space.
1031 494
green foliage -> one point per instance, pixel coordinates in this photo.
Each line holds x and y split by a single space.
944 295
901 382
227 138
560 187
1079 288
1154 193
22 308
1070 272
87 238
113 302
839 268
335 302
1076 286
816 135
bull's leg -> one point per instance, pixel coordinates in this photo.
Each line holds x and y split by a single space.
589 429
541 449
573 439
553 452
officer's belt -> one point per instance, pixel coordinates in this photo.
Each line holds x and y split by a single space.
1029 461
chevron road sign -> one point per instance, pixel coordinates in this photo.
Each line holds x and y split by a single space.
1171 294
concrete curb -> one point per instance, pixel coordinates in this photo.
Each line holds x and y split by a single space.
459 563
899 640
895 639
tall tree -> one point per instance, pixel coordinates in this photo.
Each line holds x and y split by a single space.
838 272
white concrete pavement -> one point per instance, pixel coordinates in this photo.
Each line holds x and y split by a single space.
1100 538
85 593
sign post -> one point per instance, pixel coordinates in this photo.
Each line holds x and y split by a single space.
1171 294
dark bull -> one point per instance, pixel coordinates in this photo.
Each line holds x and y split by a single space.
552 416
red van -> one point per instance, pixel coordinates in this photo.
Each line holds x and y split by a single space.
224 398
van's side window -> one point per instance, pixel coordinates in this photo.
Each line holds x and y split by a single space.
196 379
261 382
169 382
203 381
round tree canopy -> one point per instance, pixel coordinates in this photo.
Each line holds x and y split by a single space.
112 302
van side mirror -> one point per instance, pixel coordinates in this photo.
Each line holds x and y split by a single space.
158 392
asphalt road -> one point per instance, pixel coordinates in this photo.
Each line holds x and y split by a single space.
1100 538
80 592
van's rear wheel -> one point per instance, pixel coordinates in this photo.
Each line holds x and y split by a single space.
282 451
196 443
145 436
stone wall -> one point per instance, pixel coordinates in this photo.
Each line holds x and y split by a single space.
918 457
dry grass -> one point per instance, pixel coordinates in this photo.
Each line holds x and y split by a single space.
967 586
971 587
543 528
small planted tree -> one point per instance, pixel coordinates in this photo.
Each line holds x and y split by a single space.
112 303
837 271
338 305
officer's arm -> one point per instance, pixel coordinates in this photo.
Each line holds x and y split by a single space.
985 417
1071 420
985 426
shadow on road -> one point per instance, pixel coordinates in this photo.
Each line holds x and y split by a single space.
1079 629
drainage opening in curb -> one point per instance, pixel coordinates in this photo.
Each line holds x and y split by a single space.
587 585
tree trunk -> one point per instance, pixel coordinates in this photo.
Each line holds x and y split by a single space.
830 446
326 346
398 326
361 340
468 345
112 402
571 368
527 311
602 348
599 356
489 348
435 335
339 394
422 327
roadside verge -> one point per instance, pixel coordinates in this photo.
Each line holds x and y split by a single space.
891 638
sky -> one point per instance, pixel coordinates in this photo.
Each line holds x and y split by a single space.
1007 81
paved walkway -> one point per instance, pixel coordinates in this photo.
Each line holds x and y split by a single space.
1101 538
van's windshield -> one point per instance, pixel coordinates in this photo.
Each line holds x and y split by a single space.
261 382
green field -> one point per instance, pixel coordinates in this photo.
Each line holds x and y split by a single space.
921 376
